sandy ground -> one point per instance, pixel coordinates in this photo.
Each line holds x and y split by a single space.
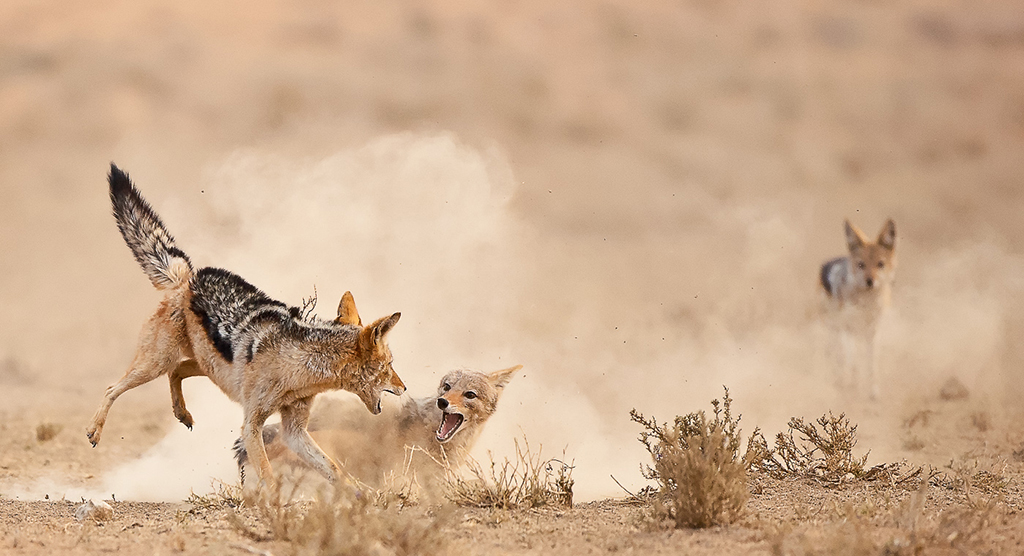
781 517
630 202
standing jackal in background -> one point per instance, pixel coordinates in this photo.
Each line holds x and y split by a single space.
263 354
445 425
859 288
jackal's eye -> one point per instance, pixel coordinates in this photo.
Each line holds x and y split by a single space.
881 264
470 395
447 387
860 265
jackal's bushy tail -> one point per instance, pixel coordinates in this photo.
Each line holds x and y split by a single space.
150 242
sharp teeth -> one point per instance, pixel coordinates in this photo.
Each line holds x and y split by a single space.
443 431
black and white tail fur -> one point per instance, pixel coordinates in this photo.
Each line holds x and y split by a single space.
153 246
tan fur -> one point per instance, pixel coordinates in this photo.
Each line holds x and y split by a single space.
347 313
861 298
873 266
179 272
277 379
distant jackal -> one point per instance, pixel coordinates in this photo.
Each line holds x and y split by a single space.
445 425
859 288
263 354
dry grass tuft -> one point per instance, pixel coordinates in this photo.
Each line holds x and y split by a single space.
223 496
701 477
344 519
397 490
964 528
971 480
845 538
909 529
528 482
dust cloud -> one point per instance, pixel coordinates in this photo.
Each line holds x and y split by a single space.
631 202
423 224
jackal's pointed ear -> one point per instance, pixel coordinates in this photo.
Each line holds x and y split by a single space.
887 237
347 313
372 336
500 378
855 238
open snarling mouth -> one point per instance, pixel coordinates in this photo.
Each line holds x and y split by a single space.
450 424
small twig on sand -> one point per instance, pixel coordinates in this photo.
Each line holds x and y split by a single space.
631 495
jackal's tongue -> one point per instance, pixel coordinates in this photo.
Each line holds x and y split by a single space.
449 423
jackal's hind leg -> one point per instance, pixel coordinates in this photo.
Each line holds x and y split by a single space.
159 352
145 368
185 369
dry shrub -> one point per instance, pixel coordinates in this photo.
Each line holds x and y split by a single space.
528 482
47 431
825 455
700 475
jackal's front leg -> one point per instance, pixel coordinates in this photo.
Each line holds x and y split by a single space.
294 419
252 433
872 366
846 362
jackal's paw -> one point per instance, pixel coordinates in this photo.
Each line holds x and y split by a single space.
93 433
186 418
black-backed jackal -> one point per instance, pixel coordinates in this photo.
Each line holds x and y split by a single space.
859 289
263 354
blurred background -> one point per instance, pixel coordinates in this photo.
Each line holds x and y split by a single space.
631 200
